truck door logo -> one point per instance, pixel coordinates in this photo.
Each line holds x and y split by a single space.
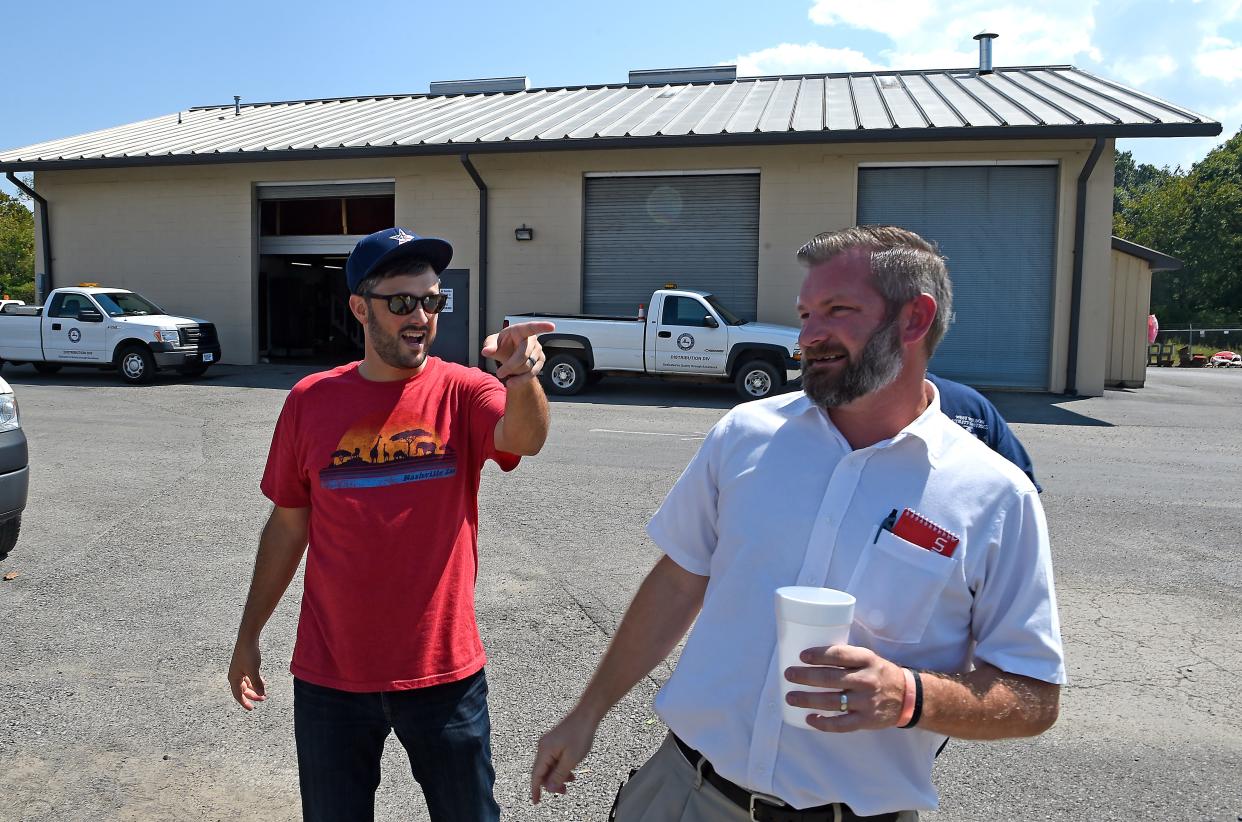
685 342
74 335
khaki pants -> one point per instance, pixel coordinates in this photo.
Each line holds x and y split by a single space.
663 790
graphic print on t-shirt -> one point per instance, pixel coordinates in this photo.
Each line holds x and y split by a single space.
973 425
388 450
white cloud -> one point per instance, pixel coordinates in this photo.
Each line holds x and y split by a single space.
922 31
796 58
1186 51
898 17
1228 114
1221 11
944 58
1220 59
1140 70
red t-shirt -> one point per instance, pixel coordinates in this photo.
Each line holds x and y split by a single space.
390 472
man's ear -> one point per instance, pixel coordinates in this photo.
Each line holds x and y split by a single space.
916 318
358 307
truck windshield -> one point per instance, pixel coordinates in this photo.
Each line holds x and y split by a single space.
126 304
725 314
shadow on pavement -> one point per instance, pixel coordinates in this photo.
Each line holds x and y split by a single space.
278 376
1043 409
654 393
1035 408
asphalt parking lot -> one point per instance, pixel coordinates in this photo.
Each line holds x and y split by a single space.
144 513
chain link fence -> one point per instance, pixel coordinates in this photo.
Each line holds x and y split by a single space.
1192 346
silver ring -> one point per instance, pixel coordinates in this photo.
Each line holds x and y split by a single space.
845 702
531 360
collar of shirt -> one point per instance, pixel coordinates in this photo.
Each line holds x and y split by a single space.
925 426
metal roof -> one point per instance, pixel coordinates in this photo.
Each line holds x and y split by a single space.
955 104
1158 259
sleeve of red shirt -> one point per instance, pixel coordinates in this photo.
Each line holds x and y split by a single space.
488 397
284 481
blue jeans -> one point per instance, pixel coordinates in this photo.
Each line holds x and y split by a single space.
445 730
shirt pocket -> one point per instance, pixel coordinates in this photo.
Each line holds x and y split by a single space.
897 586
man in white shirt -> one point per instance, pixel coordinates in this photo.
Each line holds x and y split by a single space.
798 489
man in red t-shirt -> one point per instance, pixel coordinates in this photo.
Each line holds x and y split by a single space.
376 465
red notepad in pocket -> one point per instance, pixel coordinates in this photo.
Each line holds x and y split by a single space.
919 530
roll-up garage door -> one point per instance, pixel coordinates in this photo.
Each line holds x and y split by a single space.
321 218
996 225
311 191
699 231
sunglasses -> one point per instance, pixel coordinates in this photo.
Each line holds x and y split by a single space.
402 304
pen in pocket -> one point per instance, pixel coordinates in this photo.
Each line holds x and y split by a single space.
886 525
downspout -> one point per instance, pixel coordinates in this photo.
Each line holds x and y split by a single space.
1080 230
44 231
482 186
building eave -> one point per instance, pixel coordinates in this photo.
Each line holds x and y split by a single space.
1159 260
902 135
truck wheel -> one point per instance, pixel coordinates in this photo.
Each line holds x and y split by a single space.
46 367
136 365
565 374
756 379
8 535
192 370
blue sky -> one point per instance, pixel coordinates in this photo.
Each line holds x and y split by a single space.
78 66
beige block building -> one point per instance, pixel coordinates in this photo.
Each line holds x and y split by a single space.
243 215
1132 269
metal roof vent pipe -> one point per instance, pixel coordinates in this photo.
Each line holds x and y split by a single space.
985 39
237 104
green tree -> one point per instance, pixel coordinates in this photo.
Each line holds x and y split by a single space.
17 257
1195 216
1132 179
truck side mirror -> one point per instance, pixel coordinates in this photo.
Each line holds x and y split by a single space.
710 321
89 315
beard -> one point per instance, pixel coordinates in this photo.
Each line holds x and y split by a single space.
877 365
393 350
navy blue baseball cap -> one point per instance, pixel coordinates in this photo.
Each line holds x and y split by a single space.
390 245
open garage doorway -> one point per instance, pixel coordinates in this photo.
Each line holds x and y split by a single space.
306 231
304 310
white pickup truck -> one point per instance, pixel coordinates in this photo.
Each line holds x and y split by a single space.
686 335
109 328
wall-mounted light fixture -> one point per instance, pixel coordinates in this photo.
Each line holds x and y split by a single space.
522 234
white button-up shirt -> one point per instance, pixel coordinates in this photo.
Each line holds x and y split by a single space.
776 496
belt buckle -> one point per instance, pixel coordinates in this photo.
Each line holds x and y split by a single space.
765 799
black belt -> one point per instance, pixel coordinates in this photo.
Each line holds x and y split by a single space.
768 808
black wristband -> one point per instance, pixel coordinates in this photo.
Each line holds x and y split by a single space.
918 701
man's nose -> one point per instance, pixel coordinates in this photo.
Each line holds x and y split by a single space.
813 332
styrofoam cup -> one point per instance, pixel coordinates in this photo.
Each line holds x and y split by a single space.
808 618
